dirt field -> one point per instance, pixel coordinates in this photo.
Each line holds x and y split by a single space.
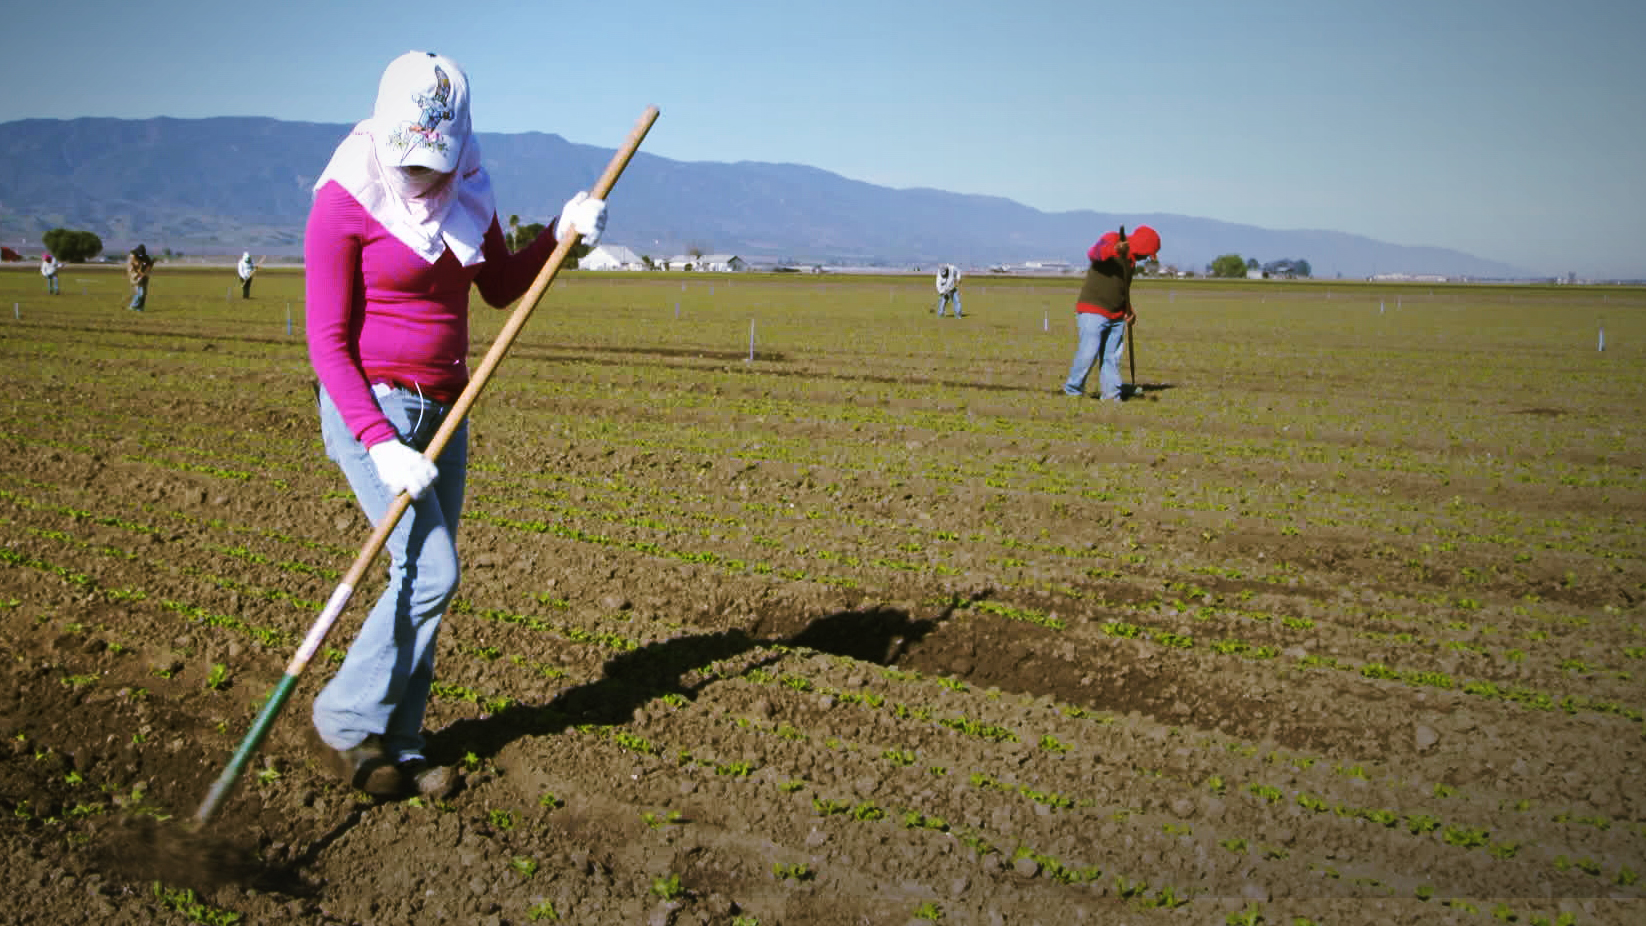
785 602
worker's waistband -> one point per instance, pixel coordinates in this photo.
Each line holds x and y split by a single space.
445 396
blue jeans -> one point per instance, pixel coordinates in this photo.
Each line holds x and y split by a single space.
51 284
943 303
1099 338
140 296
383 685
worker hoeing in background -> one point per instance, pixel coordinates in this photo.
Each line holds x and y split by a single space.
138 266
49 266
245 270
948 287
1103 311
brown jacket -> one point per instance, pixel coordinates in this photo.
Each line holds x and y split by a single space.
137 269
1107 289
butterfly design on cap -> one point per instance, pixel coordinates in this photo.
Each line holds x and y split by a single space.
436 109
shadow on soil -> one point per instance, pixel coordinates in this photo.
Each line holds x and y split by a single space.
878 635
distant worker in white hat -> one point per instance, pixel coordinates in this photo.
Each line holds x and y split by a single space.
245 270
403 225
948 287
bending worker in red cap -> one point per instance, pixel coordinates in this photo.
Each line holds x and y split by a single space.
1104 311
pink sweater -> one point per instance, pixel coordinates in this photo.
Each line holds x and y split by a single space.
379 313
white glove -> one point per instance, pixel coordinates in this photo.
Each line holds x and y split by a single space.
401 468
585 214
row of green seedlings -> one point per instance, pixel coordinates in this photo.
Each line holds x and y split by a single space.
275 637
675 515
1233 646
218 676
464 694
1134 889
1252 915
668 521
903 757
1457 835
1422 824
1446 539
1421 790
1189 598
799 555
950 422
240 552
1528 697
91 800
665 887
919 541
1211 608
244 554
155 461
702 557
271 636
1417 823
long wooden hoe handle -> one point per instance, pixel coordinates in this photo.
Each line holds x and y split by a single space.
380 535
1131 350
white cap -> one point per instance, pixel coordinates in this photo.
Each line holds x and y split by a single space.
422 114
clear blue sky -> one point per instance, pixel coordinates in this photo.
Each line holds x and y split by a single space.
1507 129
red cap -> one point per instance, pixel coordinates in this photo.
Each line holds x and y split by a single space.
1145 242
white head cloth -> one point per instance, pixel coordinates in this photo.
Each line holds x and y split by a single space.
421 119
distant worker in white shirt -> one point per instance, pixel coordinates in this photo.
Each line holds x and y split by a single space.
49 266
246 269
948 287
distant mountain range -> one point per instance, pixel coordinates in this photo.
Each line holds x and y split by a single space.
222 185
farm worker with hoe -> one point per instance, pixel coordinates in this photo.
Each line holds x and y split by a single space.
948 287
138 265
403 222
49 266
1103 311
245 270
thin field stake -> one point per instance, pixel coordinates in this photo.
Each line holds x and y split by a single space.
380 534
1602 344
751 340
288 319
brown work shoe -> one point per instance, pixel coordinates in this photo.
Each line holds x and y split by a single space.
366 767
435 782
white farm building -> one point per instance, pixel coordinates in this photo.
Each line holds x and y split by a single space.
611 257
709 263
